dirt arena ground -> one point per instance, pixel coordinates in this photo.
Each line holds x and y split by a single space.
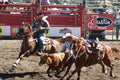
28 69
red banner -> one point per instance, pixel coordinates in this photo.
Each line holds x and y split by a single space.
100 21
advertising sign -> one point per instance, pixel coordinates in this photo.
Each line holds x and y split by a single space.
4 30
1 30
60 31
100 21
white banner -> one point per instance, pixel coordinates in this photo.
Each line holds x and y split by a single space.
59 31
6 31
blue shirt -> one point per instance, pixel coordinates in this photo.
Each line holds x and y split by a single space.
66 45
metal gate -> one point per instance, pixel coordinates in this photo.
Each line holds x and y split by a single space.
12 16
64 18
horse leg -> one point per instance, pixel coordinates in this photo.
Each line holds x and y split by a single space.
72 73
111 71
14 65
48 72
16 62
108 63
66 72
79 71
103 67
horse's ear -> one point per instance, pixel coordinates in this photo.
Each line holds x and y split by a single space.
45 54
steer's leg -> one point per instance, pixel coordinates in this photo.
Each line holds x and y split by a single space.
48 72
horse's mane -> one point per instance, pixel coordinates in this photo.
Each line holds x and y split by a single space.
28 25
81 40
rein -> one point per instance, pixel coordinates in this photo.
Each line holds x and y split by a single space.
31 40
79 55
26 35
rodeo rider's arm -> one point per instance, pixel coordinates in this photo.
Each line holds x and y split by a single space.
63 47
47 26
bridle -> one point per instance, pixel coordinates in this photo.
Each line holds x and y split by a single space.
78 51
24 34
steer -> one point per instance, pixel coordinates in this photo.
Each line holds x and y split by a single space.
56 61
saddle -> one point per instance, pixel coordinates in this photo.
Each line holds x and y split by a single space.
46 41
92 44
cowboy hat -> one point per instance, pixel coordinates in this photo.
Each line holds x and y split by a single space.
40 14
68 35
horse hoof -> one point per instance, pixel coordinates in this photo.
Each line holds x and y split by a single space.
12 69
68 78
49 76
105 72
58 76
61 78
112 76
78 78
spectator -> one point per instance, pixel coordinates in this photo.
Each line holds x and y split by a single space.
4 2
117 24
45 2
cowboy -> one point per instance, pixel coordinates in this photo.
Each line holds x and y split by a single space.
67 45
41 26
94 45
45 2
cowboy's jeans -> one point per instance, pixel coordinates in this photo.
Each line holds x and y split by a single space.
40 41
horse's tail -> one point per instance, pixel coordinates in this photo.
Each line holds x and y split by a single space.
116 50
116 53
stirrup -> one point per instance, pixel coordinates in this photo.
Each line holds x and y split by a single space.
40 52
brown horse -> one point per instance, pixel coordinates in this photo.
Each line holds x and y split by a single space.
29 45
84 58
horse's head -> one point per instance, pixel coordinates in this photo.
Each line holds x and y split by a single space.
24 30
78 43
